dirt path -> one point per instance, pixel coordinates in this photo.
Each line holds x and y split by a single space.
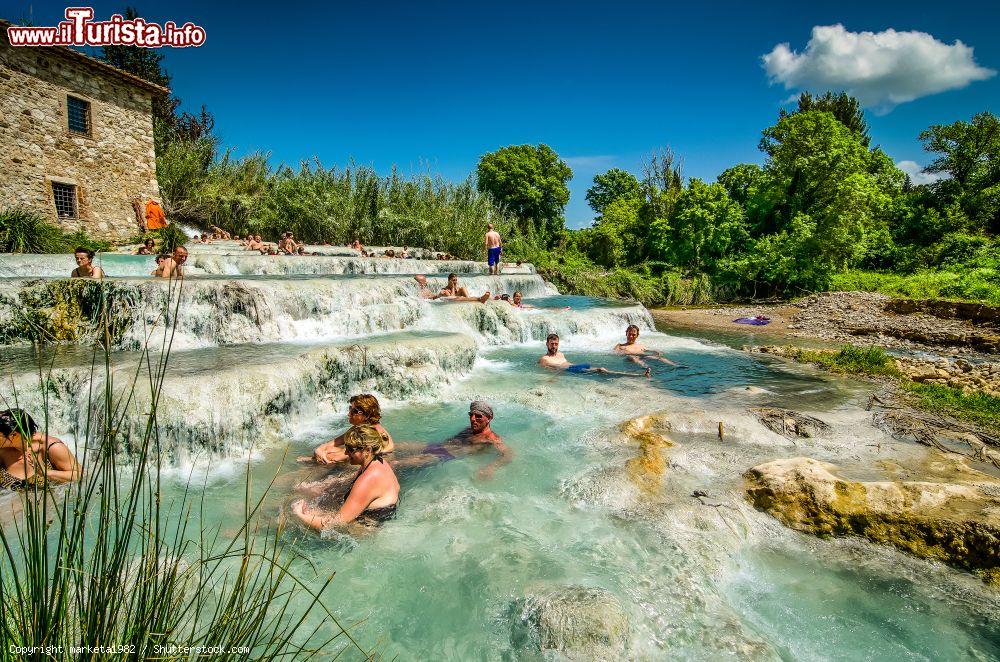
721 319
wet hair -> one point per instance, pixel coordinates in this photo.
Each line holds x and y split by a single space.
630 327
552 336
17 420
368 404
450 276
518 292
365 438
83 249
161 257
505 297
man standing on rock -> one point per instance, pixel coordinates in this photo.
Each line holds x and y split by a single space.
493 250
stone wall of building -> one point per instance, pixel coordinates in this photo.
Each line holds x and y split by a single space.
110 167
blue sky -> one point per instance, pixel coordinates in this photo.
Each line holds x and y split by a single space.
437 84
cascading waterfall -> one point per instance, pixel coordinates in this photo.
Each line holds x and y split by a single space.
264 351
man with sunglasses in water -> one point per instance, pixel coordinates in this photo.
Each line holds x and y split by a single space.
477 436
480 433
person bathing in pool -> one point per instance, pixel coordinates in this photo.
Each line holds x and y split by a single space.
479 435
362 409
556 360
374 492
28 456
636 352
455 292
516 301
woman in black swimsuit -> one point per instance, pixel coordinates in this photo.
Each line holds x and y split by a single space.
28 457
374 492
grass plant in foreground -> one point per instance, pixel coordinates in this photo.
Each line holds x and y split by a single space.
108 562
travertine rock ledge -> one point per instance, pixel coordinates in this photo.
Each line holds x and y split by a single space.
957 523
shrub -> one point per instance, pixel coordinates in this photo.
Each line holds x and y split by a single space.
26 231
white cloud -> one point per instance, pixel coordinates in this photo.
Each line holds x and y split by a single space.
882 69
917 174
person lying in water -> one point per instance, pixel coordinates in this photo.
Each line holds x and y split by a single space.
478 436
85 264
516 301
556 360
637 352
28 457
425 292
362 409
455 292
373 494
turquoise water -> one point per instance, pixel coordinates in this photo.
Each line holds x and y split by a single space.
851 607
442 580
266 383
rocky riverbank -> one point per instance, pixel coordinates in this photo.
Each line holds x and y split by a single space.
944 327
960 373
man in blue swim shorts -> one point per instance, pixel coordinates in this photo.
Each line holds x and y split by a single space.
556 360
493 250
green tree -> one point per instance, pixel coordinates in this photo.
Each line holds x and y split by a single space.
705 226
748 186
843 106
827 182
146 63
969 153
618 237
531 182
610 186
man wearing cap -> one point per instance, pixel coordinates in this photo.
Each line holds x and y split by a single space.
474 438
480 417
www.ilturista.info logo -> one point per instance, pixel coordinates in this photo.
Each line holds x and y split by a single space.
79 29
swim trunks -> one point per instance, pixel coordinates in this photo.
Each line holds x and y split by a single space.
439 451
578 367
493 256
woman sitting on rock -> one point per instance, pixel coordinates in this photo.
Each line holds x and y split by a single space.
362 409
28 457
372 495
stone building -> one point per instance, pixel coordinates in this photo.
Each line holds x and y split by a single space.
76 139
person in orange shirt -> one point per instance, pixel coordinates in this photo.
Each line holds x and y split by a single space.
155 219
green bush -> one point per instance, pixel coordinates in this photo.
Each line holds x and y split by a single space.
850 359
26 231
322 204
978 407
